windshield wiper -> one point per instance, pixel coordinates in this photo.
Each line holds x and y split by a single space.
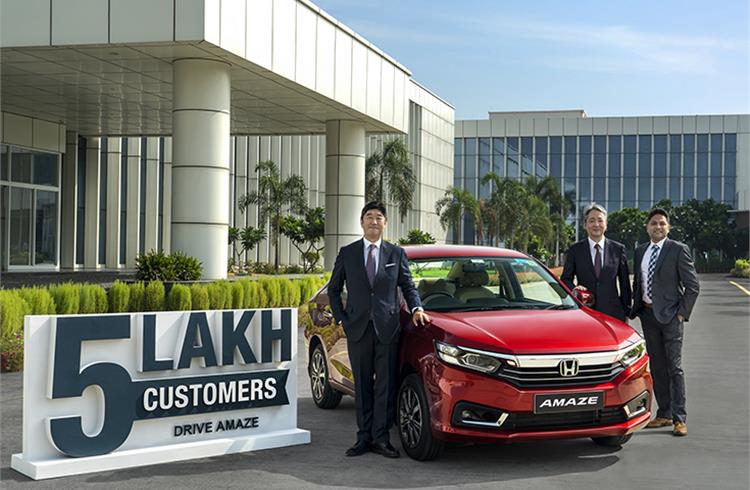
559 307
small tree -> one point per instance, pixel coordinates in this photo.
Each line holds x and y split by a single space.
234 235
417 237
389 174
275 196
305 233
452 207
250 238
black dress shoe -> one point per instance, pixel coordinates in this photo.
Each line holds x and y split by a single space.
385 449
361 447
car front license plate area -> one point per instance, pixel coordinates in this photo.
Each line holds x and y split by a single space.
568 402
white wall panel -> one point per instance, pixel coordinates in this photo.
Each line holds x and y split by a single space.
17 130
305 53
661 125
400 101
284 14
45 135
80 22
259 27
189 20
232 34
141 21
359 76
24 23
343 68
386 93
630 125
373 84
325 58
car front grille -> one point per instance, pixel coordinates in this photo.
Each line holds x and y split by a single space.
568 420
535 377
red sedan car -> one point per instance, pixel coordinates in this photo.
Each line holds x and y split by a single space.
510 355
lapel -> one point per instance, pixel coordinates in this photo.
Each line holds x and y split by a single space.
589 260
662 254
385 254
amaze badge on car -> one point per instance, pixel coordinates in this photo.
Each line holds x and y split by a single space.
568 402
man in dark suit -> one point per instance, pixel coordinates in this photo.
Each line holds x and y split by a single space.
665 288
373 270
599 265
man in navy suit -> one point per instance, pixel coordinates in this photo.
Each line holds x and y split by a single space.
599 265
665 288
373 270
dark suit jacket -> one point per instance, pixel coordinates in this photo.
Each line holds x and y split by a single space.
607 299
379 303
675 287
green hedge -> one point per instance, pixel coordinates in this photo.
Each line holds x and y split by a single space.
71 298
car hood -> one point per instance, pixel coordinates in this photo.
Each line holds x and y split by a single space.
533 332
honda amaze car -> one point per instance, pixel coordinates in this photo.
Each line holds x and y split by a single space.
509 355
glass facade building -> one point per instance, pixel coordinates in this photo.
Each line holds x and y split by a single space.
618 162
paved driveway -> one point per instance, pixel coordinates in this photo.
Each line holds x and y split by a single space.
714 455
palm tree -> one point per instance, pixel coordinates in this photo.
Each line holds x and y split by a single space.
560 206
273 196
454 206
388 174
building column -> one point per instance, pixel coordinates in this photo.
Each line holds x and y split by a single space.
345 185
91 225
68 215
200 166
114 170
152 195
166 242
133 202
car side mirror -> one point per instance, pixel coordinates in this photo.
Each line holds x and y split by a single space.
585 297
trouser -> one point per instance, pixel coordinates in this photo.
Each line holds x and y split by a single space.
375 368
664 346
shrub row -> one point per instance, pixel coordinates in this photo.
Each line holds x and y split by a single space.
71 299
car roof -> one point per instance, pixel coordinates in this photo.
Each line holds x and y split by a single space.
433 251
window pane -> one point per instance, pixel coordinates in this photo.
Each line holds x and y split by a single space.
3 162
715 164
716 143
20 226
730 142
46 228
716 188
600 188
614 190
628 191
702 188
703 143
660 189
688 188
123 199
20 165
688 165
527 151
660 143
644 190
457 146
660 164
629 165
644 144
600 144
729 192
688 143
702 164
675 143
584 190
80 199
629 143
45 169
555 144
471 146
584 165
674 190
730 164
498 156
555 165
104 160
615 145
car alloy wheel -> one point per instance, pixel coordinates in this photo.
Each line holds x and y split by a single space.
414 426
323 394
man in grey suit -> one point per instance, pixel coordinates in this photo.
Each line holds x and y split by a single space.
665 288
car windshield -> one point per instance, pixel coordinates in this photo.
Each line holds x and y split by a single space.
487 283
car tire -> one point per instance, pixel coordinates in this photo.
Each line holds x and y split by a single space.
323 393
414 423
612 441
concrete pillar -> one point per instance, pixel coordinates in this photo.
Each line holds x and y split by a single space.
133 202
200 167
91 225
345 185
152 194
69 205
114 186
166 237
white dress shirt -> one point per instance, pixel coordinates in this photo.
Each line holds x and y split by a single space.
644 266
592 250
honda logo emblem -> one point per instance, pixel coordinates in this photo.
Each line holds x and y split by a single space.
568 368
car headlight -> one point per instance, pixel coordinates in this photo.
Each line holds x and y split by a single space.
633 353
465 358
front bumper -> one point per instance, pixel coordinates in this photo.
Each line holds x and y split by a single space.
450 390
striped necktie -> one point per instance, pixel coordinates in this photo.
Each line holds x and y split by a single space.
651 267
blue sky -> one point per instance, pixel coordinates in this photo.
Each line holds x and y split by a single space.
609 58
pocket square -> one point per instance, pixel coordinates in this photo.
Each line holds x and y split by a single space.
390 265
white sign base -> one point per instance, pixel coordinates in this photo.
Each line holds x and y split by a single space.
40 469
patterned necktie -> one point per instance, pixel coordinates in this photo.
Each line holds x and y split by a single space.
651 267
598 260
370 266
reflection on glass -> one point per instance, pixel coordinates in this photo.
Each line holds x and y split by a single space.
715 189
660 164
3 162
688 188
614 190
628 190
20 226
644 189
660 143
20 165
730 142
45 169
630 143
702 185
660 188
46 228
730 165
729 192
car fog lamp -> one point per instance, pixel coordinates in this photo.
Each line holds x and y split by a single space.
637 405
